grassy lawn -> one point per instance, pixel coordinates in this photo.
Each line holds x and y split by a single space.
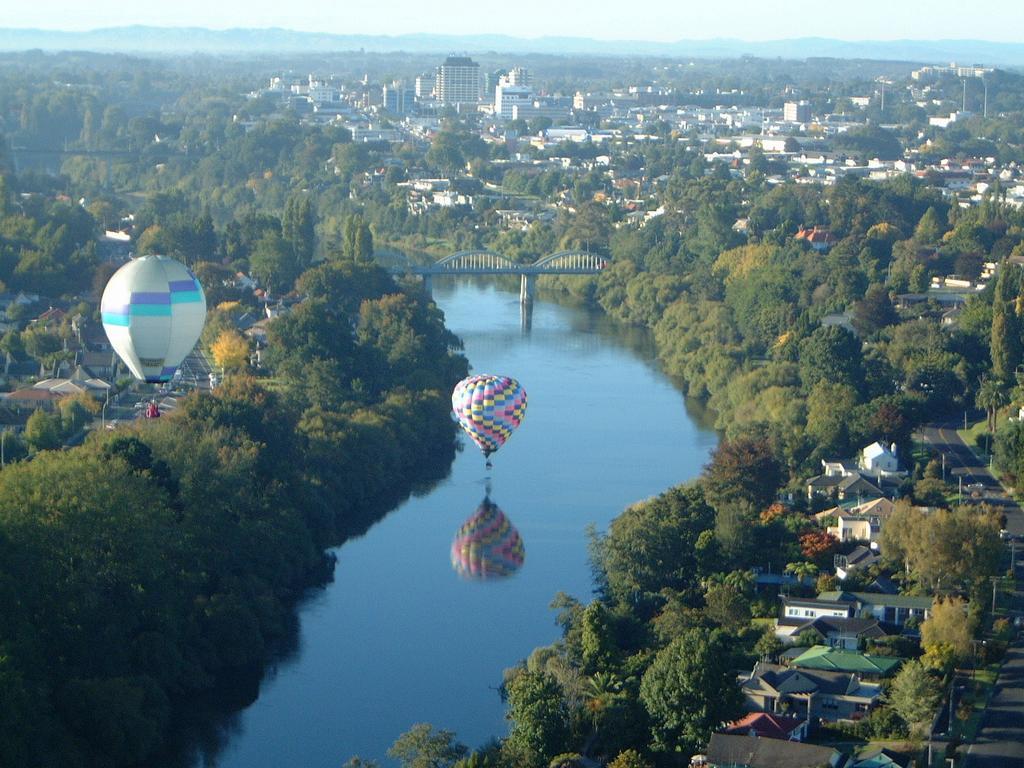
978 694
974 436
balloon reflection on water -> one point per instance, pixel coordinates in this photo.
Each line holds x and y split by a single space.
487 546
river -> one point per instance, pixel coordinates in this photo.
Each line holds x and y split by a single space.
398 637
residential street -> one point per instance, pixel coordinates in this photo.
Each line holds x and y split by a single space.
961 461
1000 743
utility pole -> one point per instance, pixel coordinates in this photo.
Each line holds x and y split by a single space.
984 82
964 108
995 581
943 467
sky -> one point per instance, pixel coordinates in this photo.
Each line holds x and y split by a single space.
654 20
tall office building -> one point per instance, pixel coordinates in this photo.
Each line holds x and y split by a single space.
796 112
519 76
458 81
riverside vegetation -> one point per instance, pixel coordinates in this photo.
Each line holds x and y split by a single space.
107 639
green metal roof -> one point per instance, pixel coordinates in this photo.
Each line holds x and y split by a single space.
838 660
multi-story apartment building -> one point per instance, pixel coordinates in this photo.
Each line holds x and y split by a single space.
458 81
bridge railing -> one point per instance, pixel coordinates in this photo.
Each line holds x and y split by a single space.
485 262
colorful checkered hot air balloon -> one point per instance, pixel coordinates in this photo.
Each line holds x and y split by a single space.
487 546
153 310
489 408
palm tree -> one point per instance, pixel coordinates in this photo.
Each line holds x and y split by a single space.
603 691
991 396
802 570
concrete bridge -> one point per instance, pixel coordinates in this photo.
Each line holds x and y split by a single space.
483 262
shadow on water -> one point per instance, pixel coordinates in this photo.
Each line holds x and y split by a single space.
204 724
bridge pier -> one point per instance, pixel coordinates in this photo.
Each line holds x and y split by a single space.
526 287
526 318
428 285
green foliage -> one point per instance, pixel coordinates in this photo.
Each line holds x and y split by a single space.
43 431
540 720
654 545
914 695
423 747
688 690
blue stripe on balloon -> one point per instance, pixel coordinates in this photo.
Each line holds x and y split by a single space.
109 318
186 297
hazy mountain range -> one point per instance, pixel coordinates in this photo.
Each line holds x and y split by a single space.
144 39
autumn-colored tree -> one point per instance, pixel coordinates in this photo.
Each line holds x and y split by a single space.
230 350
816 544
744 468
947 634
772 513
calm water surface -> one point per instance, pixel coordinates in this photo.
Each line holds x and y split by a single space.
399 638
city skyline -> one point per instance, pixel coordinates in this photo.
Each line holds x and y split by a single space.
663 21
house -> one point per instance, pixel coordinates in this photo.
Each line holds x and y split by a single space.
31 399
875 468
100 363
841 660
808 693
860 523
860 558
842 487
768 726
818 238
879 757
891 609
807 608
834 631
878 461
730 751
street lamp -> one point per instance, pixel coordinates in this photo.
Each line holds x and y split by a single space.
103 411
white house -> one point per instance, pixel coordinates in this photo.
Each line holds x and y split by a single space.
879 461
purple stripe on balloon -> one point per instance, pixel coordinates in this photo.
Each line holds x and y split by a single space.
168 370
150 298
182 285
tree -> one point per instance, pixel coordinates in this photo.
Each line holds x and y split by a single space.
743 468
930 228
947 633
423 747
727 606
298 227
802 570
630 758
831 353
230 350
689 689
914 695
540 719
875 311
991 397
12 346
42 431
654 545
1006 345
273 262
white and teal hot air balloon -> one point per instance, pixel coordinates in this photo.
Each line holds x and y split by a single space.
153 311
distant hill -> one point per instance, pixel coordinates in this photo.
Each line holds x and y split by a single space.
143 39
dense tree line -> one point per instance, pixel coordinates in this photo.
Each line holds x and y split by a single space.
143 566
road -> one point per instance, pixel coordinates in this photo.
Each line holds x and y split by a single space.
1000 742
961 462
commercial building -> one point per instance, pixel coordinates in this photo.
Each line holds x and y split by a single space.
458 81
796 112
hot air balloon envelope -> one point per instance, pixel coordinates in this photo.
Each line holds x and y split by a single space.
489 408
153 311
487 546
